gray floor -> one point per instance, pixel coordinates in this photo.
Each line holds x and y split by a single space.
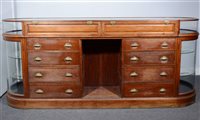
191 112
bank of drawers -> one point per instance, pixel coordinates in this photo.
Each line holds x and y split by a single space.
148 67
54 67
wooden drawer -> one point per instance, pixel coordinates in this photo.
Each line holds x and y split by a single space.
149 74
65 29
54 74
164 57
53 58
140 44
148 90
65 44
69 90
140 28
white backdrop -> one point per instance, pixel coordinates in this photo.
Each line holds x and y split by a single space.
102 8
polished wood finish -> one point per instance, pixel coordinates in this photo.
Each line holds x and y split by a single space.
56 90
49 74
149 74
142 44
101 63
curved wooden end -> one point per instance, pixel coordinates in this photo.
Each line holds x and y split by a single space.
107 103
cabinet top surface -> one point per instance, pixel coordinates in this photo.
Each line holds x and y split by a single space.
100 18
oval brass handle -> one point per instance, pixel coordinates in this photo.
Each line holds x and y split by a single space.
89 22
164 59
68 45
163 74
38 74
112 22
134 90
133 74
164 45
37 59
162 90
68 75
39 91
68 91
134 44
68 59
37 46
134 58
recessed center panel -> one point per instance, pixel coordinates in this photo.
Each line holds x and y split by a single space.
101 62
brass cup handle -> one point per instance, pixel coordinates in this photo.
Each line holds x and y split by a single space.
133 74
134 58
89 22
164 45
37 59
38 74
68 91
68 45
135 45
37 46
39 91
68 75
134 90
112 22
68 59
163 74
162 90
164 59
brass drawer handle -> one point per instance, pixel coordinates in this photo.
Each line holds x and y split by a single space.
162 90
163 74
133 74
89 22
68 45
134 45
112 22
68 75
37 46
37 59
164 59
38 74
68 91
134 90
134 58
68 59
164 45
39 91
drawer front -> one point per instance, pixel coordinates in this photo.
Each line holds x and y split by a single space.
53 58
53 44
148 90
149 74
140 28
69 90
47 74
139 44
65 29
164 57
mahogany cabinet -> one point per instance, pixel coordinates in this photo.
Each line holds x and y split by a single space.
100 62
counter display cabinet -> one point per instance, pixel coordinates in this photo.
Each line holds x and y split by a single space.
101 62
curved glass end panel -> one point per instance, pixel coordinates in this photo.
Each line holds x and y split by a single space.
187 75
15 80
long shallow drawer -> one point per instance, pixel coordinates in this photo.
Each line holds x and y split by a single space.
140 44
65 29
65 44
148 90
53 58
69 90
149 74
164 57
140 28
48 74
